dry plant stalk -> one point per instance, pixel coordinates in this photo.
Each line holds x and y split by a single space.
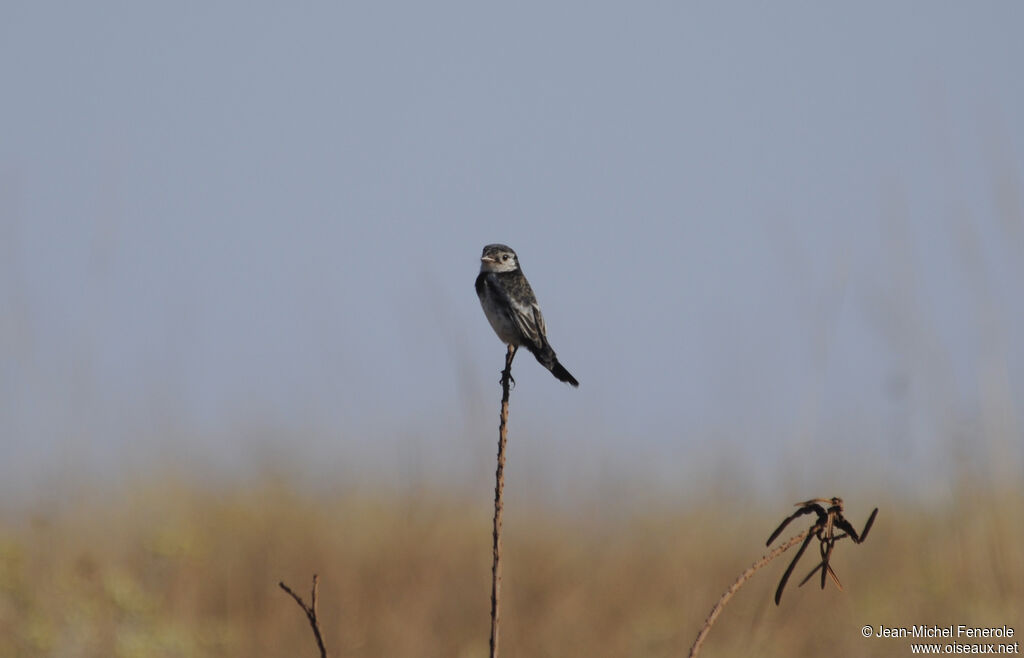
743 577
499 487
824 528
310 611
827 520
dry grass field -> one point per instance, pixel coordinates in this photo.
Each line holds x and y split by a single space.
168 569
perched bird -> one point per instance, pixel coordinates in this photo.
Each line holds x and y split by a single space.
512 309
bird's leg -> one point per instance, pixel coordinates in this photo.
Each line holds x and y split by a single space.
507 372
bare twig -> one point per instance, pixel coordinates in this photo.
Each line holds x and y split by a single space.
743 577
499 486
310 611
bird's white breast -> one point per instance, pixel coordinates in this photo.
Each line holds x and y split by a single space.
500 320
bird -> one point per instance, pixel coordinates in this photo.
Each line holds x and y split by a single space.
512 309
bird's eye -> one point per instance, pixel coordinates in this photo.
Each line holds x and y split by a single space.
505 257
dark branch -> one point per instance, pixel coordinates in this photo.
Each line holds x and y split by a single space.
310 611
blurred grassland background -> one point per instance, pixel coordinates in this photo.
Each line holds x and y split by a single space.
176 558
172 568
781 247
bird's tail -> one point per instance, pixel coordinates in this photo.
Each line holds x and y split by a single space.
559 371
546 357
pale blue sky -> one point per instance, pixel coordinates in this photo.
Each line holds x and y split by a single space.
236 232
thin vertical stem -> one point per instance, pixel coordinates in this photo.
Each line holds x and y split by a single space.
499 487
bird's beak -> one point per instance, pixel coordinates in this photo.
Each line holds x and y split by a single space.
487 259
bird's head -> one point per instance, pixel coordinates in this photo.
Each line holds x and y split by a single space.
498 258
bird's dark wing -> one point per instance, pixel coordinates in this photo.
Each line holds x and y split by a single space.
515 294
531 321
527 319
